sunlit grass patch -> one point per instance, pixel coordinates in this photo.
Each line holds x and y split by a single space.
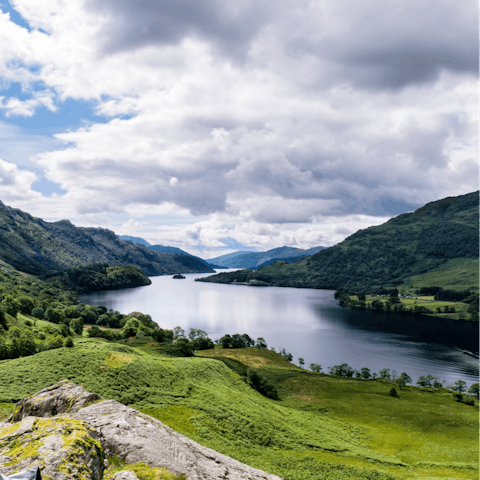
115 360
142 470
249 356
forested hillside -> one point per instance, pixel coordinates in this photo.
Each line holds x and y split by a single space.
34 246
440 234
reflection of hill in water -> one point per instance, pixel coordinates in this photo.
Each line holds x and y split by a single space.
460 334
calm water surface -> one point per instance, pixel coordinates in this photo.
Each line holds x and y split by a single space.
308 323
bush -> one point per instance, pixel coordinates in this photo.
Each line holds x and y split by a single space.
38 312
393 392
261 384
469 401
28 323
458 397
68 343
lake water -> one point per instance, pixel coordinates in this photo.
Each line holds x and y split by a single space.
309 324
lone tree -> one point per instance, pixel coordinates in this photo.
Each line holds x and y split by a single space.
301 362
365 372
315 367
459 386
474 390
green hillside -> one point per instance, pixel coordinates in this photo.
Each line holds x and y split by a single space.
436 240
34 246
318 427
323 427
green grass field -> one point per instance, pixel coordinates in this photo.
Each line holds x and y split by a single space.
321 428
456 274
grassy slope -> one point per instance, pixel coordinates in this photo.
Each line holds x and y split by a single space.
440 238
323 427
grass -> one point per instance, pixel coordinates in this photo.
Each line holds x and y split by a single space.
141 470
248 356
456 274
322 428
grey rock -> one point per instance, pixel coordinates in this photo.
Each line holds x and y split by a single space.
62 447
133 436
63 397
127 475
136 437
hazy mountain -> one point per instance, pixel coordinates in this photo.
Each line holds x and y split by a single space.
167 249
254 260
435 239
34 246
129 238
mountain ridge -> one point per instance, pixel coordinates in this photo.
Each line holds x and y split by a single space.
388 254
35 246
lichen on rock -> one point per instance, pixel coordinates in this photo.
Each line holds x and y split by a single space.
63 448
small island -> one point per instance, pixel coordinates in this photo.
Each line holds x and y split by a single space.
178 276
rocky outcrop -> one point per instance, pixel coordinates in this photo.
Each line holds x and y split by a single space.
62 447
108 428
63 397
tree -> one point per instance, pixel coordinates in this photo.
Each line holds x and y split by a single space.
393 392
10 305
365 372
197 333
76 324
26 304
38 312
342 370
130 328
315 367
459 386
178 332
261 343
247 341
385 373
93 331
3 320
301 362
474 390
424 382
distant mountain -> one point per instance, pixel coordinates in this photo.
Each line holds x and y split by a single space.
34 246
139 240
439 242
166 249
255 260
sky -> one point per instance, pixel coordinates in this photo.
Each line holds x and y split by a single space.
218 126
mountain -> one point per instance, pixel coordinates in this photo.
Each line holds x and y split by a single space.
129 238
254 260
35 246
437 241
165 249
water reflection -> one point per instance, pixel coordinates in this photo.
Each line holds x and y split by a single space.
309 324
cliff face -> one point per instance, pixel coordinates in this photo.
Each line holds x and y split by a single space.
34 246
71 431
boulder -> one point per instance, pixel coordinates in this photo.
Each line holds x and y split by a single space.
67 432
126 475
63 397
62 447
139 438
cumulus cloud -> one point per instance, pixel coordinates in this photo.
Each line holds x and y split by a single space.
286 120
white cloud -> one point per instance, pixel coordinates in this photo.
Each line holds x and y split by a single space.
280 118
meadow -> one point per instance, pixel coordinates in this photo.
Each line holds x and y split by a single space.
322 427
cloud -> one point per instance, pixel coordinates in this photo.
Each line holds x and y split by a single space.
16 184
274 117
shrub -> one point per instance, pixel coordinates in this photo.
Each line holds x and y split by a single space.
261 384
469 401
28 323
38 312
68 343
458 397
393 392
